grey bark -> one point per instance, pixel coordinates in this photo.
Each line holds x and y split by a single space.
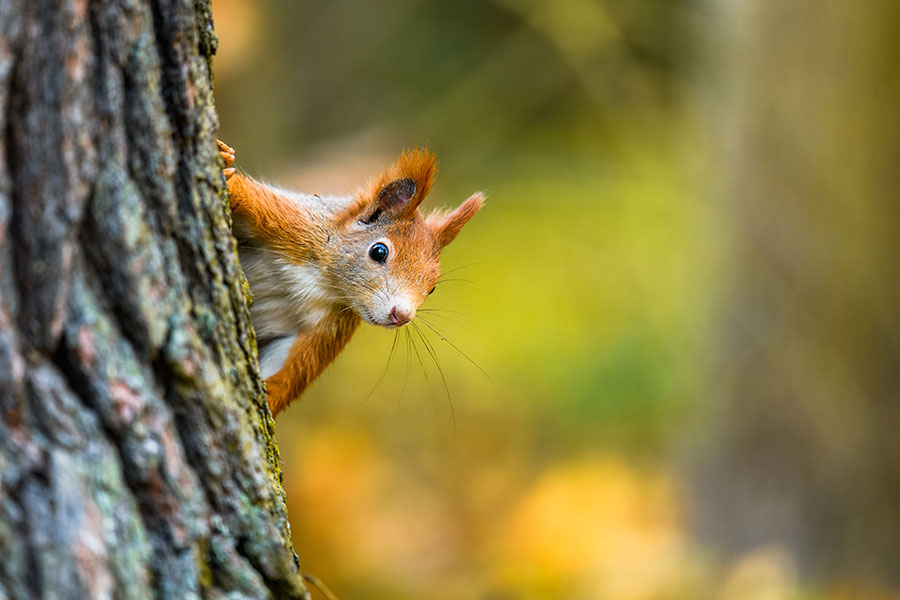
137 456
804 449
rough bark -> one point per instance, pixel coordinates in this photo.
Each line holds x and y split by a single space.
804 451
136 451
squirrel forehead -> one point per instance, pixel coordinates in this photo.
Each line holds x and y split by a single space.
412 237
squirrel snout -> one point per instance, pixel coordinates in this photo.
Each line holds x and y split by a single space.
401 315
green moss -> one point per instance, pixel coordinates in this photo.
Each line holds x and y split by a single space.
203 570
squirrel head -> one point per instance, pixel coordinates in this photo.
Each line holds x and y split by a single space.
386 259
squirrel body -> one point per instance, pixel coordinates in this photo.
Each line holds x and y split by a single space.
319 265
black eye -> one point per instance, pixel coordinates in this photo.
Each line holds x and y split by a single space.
431 292
378 252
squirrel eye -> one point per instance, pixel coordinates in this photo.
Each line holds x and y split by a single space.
378 252
431 292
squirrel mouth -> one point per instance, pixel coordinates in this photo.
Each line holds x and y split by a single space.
388 323
368 318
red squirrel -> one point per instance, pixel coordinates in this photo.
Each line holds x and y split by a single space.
318 265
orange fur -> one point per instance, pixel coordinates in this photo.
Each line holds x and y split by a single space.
272 217
308 358
445 227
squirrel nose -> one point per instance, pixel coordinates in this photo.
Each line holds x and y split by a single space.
400 315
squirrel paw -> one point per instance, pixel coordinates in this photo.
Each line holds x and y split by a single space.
227 154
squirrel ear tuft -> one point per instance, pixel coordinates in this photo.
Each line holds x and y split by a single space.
445 227
418 165
407 182
399 190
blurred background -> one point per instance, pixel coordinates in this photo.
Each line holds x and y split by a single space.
665 362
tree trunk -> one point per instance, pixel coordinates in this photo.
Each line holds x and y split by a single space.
805 451
136 453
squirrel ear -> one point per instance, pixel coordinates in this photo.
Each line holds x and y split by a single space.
393 197
399 190
407 182
445 227
396 194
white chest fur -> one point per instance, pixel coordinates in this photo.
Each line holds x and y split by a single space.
274 354
287 298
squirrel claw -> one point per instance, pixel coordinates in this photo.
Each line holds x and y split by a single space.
224 147
227 154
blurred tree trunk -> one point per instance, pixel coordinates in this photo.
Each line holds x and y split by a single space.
806 450
136 452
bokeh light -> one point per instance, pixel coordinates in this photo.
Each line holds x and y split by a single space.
566 419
